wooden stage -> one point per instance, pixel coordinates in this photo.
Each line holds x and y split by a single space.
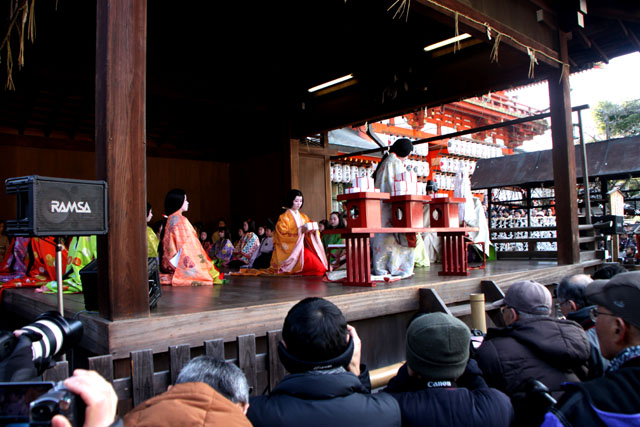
256 305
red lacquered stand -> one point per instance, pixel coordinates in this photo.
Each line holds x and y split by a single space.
363 209
454 260
444 211
407 210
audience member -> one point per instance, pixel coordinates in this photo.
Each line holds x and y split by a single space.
208 392
183 261
221 224
431 387
205 239
533 346
614 399
262 257
336 256
327 385
245 247
97 394
222 249
574 306
260 233
608 271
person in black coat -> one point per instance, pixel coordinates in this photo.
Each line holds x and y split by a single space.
439 385
613 399
533 346
327 386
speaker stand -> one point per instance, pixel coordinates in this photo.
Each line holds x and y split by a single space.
59 241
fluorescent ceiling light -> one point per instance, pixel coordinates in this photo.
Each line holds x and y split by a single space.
447 41
331 83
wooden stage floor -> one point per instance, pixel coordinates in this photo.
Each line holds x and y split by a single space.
256 305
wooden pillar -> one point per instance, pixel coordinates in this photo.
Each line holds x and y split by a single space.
121 38
294 164
564 164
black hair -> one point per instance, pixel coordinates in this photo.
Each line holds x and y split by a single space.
225 230
251 225
315 330
291 196
401 148
341 221
148 208
572 288
173 201
608 271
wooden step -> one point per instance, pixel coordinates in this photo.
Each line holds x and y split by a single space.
588 255
587 239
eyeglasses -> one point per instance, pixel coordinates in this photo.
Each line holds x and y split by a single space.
594 313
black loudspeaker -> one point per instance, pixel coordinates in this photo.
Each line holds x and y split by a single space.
58 206
609 224
89 279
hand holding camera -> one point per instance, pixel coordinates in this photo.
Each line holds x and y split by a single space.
97 394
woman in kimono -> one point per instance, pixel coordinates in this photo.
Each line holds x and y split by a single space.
297 248
222 249
183 260
391 252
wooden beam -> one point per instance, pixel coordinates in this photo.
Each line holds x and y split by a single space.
463 9
121 30
630 35
593 45
564 170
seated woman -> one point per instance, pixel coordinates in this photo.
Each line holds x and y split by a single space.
336 255
152 238
183 261
246 247
297 248
222 249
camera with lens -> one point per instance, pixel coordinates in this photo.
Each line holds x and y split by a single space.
28 356
57 401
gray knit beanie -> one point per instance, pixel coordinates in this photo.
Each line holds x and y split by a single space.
438 346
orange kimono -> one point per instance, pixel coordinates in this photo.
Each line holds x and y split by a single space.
185 257
296 252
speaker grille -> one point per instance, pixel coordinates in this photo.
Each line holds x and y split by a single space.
57 206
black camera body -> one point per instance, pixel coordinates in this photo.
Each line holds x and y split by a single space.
57 401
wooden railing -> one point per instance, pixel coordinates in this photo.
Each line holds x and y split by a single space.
145 381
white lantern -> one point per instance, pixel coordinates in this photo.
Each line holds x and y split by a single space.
362 171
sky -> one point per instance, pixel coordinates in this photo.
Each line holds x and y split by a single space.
616 82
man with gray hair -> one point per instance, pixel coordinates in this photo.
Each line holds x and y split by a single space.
574 306
207 392
532 346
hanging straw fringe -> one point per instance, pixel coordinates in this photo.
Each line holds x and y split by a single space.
494 52
532 61
9 85
456 46
494 49
32 21
404 7
24 10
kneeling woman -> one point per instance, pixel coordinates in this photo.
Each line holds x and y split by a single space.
184 261
296 250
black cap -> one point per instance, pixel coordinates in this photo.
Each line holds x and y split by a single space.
620 295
